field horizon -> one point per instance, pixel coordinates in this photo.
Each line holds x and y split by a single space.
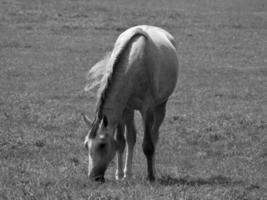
213 141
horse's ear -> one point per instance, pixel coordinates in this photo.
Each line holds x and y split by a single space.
87 120
85 143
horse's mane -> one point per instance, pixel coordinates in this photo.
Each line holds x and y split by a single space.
102 73
96 74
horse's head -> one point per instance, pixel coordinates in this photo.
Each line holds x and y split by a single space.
101 148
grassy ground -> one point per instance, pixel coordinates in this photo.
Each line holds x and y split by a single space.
213 143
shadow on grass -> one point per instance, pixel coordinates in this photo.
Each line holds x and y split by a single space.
213 180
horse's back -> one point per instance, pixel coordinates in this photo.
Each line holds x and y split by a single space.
159 35
156 33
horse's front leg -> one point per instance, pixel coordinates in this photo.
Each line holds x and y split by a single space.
121 146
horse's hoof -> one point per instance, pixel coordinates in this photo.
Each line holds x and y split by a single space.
100 179
119 177
151 178
127 176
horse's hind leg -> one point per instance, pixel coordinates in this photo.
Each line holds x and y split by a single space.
121 145
130 140
148 144
153 120
158 116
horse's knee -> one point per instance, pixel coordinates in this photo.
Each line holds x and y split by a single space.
131 138
148 148
131 135
121 146
120 140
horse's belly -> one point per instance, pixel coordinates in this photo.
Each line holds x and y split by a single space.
166 82
165 75
139 96
135 103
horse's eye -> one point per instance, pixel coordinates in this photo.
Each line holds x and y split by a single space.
85 145
105 121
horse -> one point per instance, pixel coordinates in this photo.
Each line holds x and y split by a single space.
140 73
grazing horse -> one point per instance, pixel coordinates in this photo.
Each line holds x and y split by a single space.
140 73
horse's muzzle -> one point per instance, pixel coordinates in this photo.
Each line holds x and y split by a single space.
99 177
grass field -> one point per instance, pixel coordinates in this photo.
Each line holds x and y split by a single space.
213 142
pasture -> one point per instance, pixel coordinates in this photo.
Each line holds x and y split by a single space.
213 142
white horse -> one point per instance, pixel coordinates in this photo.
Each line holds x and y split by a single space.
139 74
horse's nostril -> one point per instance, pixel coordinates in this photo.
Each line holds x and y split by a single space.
100 179
97 174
